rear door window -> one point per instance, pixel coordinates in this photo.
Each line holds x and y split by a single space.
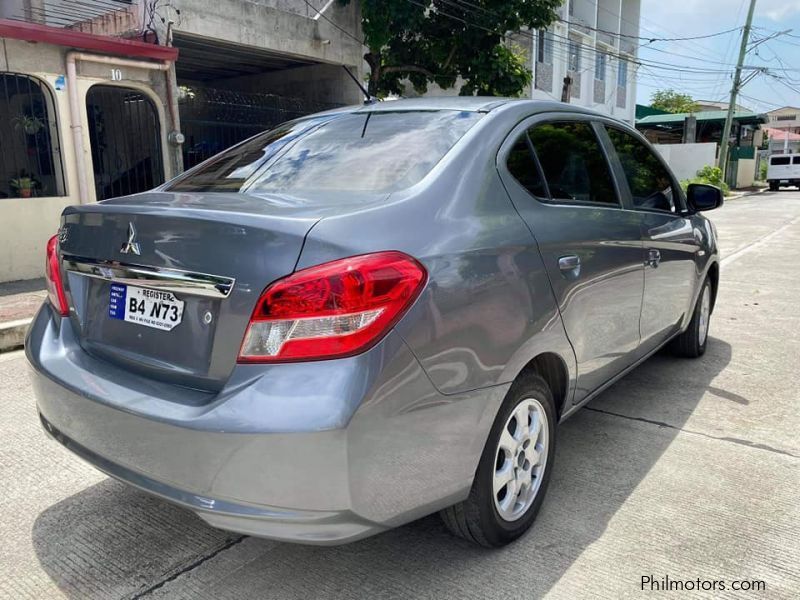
522 165
573 163
779 160
649 181
796 160
371 152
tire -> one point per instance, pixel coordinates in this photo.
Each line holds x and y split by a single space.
480 518
692 342
774 186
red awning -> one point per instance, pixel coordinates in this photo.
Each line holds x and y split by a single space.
776 134
34 32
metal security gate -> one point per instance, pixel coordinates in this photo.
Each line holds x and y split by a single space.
214 119
125 135
30 152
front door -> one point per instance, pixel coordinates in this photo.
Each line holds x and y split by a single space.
670 244
558 176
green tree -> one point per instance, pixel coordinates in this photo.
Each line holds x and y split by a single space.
673 102
439 40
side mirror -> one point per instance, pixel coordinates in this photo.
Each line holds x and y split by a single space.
702 196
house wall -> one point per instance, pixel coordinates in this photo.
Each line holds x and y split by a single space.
787 117
27 223
686 159
286 26
778 146
746 172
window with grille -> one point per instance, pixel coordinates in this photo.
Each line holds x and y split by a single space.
622 73
600 66
30 160
544 48
574 58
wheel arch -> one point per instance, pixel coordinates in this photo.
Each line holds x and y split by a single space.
552 368
713 277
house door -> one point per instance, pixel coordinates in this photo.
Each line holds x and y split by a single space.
125 136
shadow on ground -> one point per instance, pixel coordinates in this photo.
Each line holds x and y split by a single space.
111 541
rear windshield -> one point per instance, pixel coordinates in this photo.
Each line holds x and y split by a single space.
370 152
780 160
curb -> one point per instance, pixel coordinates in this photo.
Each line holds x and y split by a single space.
746 194
12 334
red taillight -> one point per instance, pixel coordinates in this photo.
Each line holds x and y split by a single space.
55 286
332 310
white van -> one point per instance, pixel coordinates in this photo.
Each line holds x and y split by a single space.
783 169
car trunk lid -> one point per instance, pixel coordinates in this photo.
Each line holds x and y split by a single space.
210 260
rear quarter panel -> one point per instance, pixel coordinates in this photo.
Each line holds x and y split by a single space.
487 308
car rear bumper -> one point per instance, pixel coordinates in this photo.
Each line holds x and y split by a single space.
310 527
318 453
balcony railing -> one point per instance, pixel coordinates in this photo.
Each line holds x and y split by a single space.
76 14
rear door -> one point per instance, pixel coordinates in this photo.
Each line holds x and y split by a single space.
557 174
670 243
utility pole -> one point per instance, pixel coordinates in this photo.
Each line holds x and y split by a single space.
737 80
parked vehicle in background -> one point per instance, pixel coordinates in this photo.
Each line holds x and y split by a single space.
368 315
783 170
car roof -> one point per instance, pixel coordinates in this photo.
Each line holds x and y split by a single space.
467 103
470 103
484 104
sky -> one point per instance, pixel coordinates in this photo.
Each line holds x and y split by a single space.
687 18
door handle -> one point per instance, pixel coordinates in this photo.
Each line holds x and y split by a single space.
653 258
570 265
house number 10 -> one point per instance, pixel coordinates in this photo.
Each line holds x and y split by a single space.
116 75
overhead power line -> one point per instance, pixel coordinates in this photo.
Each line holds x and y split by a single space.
463 4
651 40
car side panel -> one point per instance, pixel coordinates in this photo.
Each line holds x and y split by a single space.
600 302
670 284
678 248
487 308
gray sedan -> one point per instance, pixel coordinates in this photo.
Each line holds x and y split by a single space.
368 315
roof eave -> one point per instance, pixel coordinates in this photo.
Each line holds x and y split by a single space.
57 36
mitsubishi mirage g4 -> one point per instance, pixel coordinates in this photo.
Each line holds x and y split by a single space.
368 315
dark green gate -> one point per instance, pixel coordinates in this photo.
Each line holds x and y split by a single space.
215 119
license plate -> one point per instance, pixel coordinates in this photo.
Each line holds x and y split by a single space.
151 308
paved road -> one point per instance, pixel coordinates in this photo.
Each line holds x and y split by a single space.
684 469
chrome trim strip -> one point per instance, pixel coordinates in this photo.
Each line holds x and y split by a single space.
170 280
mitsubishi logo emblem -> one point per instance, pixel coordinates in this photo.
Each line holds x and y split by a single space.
131 245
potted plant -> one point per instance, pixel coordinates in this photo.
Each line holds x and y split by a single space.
24 185
29 124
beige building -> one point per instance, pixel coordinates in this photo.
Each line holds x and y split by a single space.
102 98
79 116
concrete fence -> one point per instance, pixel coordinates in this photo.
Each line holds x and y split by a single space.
686 159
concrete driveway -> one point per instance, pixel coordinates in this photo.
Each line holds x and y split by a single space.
684 469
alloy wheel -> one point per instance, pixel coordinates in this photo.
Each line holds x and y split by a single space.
520 459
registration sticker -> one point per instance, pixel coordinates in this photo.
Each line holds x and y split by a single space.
143 306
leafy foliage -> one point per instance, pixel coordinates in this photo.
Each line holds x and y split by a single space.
710 175
673 102
441 40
